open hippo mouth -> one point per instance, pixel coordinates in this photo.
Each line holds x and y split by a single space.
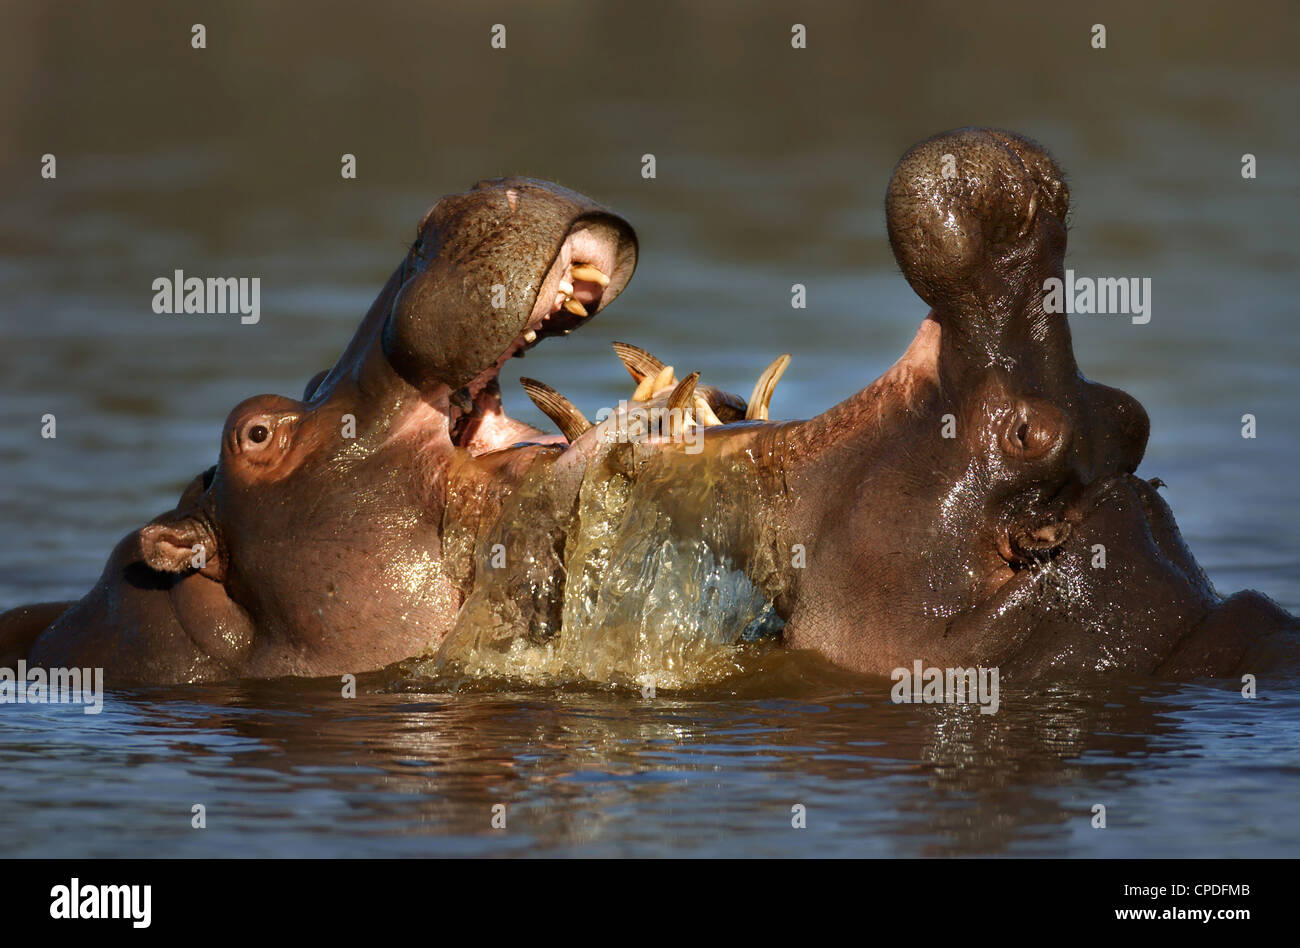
573 290
493 272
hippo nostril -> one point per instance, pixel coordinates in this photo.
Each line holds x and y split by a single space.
1033 545
1048 535
1022 433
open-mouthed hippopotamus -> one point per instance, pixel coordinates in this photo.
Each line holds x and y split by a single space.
977 505
336 533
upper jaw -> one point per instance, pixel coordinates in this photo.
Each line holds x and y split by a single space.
585 275
495 269
485 273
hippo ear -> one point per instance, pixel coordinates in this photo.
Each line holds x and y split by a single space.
314 383
181 545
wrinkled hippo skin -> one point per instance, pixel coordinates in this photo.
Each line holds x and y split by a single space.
336 533
882 541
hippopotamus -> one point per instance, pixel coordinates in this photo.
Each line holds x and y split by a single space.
979 504
336 532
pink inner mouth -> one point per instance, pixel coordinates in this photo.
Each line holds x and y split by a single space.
488 428
549 316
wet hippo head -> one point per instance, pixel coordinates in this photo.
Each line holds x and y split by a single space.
996 516
315 545
491 272
979 504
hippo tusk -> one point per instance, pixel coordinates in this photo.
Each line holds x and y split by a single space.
572 423
637 361
680 402
641 365
764 387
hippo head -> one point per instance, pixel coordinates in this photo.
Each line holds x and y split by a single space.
988 508
315 545
496 268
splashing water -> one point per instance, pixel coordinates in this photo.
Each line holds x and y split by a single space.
647 598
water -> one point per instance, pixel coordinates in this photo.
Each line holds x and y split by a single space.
771 169
294 769
645 596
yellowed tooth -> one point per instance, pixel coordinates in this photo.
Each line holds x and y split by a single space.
572 423
576 308
530 336
589 273
763 388
637 361
664 380
566 287
644 389
705 412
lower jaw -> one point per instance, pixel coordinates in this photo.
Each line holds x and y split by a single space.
485 402
488 428
484 394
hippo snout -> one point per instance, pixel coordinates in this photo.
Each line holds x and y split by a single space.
1247 631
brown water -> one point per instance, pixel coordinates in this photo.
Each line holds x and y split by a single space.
771 167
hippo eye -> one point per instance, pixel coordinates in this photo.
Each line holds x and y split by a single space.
255 435
263 438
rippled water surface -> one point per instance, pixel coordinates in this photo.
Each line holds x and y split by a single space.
771 167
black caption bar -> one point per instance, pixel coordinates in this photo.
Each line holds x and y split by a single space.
335 897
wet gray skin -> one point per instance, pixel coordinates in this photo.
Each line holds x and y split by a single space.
335 533
979 504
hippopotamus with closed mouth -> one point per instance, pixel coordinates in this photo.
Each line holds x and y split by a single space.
336 533
979 503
